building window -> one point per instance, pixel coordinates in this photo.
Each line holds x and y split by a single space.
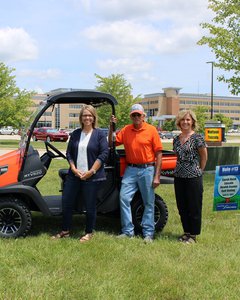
44 124
47 114
75 106
74 115
57 116
73 125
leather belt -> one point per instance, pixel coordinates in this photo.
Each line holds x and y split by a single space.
142 165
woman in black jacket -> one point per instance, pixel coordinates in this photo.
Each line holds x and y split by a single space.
86 153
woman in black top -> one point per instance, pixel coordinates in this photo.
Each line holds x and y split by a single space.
191 152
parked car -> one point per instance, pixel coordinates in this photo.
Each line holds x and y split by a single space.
166 135
49 134
8 130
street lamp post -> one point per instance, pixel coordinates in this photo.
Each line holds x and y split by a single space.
148 113
211 62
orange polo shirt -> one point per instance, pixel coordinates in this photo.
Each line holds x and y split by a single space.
141 144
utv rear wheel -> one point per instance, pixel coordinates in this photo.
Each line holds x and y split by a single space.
15 218
160 213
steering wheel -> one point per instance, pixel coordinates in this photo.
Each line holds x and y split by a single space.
51 154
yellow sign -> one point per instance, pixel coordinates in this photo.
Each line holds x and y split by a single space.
213 134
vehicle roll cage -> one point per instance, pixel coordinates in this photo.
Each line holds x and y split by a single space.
88 97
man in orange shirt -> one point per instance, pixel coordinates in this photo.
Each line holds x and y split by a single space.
143 149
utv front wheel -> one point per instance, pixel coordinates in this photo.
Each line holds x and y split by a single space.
15 218
160 213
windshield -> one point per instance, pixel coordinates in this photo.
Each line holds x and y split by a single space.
25 129
52 130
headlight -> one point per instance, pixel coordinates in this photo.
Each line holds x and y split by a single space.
3 169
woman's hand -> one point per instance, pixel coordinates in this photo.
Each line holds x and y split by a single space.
77 173
86 175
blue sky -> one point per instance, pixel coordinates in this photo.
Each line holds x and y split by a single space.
63 43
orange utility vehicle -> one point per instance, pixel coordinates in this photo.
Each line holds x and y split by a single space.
22 169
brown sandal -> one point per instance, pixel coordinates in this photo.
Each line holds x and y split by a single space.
61 235
184 237
86 238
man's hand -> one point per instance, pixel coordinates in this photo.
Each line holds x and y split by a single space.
113 119
156 182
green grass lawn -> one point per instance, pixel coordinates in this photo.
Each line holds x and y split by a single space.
37 267
14 144
167 145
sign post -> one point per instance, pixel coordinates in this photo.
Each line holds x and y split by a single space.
214 133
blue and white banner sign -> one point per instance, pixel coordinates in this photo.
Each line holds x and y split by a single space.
227 188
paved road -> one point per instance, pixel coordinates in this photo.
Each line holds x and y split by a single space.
17 137
9 137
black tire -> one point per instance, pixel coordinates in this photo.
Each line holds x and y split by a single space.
15 218
160 215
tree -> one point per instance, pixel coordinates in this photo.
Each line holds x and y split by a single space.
224 40
14 104
118 87
202 116
224 120
152 122
169 125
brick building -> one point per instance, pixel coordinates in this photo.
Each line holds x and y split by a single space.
165 106
160 106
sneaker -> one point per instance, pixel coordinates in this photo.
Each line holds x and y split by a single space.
124 235
148 239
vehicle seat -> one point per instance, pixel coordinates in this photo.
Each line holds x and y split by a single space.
63 173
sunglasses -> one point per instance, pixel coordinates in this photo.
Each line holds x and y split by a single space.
136 115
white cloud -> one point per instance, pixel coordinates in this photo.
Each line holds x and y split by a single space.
175 10
17 45
124 65
177 40
38 90
121 38
128 38
80 4
44 74
135 70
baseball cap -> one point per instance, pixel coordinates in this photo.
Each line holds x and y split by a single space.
137 108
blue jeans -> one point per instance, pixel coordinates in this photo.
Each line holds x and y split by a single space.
137 179
75 189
